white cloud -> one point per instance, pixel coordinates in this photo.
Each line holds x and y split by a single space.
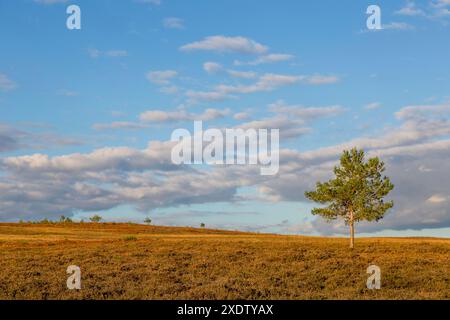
68 93
397 26
195 96
410 9
372 106
422 111
289 127
96 53
212 67
270 58
173 23
48 2
116 53
271 81
242 74
13 139
241 116
437 198
225 44
182 115
306 113
6 84
435 10
266 82
318 79
161 77
169 90
119 125
153 2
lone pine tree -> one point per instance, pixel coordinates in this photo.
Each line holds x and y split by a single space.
356 193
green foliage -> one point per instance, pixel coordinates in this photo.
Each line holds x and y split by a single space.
44 221
95 218
202 225
357 191
64 219
148 220
130 238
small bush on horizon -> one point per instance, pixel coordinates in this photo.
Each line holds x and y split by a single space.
95 218
64 219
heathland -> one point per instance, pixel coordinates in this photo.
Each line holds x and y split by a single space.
130 261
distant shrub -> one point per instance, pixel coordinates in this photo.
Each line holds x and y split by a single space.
95 218
130 238
202 225
64 219
148 220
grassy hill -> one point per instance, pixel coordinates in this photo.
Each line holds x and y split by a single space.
126 261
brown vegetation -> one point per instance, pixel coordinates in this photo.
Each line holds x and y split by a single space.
125 261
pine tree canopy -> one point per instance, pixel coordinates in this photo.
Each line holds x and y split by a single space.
358 187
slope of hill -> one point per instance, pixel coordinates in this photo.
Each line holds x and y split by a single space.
125 261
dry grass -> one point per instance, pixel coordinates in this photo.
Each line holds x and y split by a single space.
122 261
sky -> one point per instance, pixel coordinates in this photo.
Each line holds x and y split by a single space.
86 115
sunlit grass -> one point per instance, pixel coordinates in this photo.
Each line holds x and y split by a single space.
126 261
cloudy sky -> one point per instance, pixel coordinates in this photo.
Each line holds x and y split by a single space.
86 115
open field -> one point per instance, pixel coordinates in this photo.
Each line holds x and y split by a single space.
124 261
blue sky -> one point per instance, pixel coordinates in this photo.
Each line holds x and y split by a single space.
86 115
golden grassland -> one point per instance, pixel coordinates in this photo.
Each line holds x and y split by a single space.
126 261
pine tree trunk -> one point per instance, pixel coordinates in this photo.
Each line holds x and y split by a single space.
352 230
352 235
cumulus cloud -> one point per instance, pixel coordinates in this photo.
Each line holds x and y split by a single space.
9 138
161 77
225 44
291 120
242 74
318 79
96 53
210 96
182 115
241 116
119 125
48 2
289 128
372 106
269 58
271 81
173 23
397 26
410 9
422 111
306 113
435 10
13 139
153 2
265 83
39 186
6 84
212 67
